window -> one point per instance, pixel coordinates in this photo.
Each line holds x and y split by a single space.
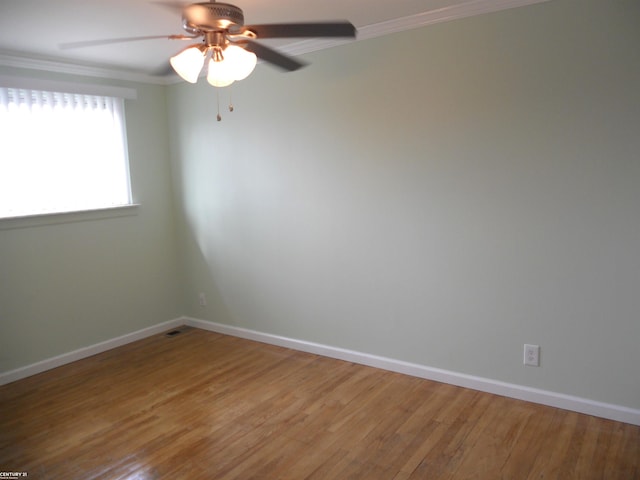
61 152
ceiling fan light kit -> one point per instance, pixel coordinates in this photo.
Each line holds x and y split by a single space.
224 67
228 62
229 45
236 64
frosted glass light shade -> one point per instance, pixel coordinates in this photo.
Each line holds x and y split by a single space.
219 74
188 63
241 61
237 64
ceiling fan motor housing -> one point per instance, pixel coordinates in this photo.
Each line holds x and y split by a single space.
211 17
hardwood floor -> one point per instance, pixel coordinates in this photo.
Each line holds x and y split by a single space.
202 405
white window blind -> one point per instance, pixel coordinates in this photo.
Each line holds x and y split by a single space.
61 152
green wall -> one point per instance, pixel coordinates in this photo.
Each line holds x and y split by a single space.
439 196
71 285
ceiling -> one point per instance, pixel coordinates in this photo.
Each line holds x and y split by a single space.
34 29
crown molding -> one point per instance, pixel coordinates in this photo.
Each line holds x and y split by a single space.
445 14
465 9
10 59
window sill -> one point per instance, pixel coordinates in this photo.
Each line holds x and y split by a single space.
26 221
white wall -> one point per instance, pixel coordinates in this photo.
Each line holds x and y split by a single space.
440 196
71 285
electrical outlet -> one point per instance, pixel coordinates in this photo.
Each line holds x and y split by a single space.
203 299
532 355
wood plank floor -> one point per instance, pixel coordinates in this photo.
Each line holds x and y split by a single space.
202 405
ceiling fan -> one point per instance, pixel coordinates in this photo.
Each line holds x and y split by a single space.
228 43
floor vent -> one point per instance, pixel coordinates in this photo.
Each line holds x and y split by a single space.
172 333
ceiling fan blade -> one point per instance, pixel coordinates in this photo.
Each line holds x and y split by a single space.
291 30
109 41
272 56
163 71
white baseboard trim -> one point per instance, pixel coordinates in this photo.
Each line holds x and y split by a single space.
544 397
57 361
520 392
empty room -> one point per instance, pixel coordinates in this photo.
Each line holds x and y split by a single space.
320 240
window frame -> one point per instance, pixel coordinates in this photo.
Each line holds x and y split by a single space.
50 218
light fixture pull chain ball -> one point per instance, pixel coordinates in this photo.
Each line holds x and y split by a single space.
219 117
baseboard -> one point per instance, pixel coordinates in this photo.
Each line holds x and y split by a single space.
520 392
48 364
544 397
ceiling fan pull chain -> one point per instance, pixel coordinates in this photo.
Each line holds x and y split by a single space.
231 98
219 117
